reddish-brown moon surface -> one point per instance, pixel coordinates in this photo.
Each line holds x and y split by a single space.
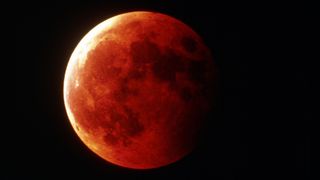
137 87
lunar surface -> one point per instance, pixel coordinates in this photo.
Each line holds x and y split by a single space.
137 88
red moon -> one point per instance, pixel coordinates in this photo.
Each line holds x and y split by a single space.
137 88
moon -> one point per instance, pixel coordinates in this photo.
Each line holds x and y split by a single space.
137 88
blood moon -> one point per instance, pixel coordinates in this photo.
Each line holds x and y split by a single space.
137 87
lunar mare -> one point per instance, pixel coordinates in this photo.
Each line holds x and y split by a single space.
137 88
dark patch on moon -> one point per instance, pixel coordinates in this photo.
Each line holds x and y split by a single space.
189 44
121 94
124 91
122 127
137 74
143 52
166 67
163 65
130 123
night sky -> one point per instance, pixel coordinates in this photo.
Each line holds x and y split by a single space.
260 125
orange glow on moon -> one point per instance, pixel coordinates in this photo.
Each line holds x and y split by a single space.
137 88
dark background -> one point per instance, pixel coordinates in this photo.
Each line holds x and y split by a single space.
260 126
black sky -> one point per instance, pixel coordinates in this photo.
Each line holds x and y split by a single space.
261 123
